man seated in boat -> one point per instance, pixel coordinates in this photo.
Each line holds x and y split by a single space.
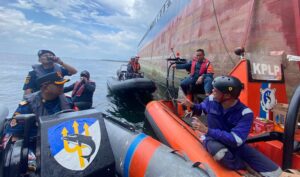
82 91
201 73
134 67
130 68
49 63
229 123
49 100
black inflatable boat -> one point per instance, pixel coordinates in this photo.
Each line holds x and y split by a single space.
126 83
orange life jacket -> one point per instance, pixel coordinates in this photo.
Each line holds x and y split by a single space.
135 66
204 68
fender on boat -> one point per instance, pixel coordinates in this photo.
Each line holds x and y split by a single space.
175 133
140 155
133 85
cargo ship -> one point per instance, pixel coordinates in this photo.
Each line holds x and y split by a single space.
265 28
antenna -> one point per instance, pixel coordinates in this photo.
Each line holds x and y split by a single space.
172 49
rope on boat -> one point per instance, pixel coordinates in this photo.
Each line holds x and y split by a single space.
223 41
248 24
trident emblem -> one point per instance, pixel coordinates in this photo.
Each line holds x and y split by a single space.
80 141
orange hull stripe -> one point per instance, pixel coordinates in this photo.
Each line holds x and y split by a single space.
142 157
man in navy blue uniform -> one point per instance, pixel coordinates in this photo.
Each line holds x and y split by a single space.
229 123
49 63
82 91
49 100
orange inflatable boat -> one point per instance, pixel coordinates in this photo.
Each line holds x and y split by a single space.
174 132
282 147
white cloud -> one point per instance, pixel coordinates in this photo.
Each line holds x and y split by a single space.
23 4
14 22
119 39
94 29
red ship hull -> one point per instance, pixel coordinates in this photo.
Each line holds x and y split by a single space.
219 27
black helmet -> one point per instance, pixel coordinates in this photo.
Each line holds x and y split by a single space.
228 84
85 73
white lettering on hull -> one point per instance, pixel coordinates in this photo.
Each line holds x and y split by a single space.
266 69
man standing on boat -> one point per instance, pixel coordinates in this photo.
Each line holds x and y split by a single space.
201 73
83 91
229 123
49 63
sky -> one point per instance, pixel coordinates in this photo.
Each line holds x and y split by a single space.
87 29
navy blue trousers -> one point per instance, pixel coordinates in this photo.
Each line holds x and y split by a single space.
235 158
189 82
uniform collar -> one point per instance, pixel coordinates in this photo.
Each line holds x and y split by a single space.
234 107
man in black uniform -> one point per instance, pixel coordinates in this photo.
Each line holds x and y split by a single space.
83 90
49 63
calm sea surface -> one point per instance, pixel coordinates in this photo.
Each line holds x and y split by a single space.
14 68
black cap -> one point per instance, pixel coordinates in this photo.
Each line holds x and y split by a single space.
41 52
53 77
85 73
228 84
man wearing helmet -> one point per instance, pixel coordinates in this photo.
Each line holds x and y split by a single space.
49 63
133 67
229 123
83 91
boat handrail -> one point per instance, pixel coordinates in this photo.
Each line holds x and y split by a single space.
289 129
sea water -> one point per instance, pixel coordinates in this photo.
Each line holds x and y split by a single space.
15 67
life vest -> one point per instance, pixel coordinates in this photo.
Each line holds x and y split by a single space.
37 106
204 68
78 89
40 71
135 66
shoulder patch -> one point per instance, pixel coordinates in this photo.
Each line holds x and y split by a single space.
27 79
22 103
16 113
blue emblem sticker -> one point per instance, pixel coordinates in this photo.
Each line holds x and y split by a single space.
268 99
75 143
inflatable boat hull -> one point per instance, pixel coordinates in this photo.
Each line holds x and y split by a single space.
139 155
178 135
135 85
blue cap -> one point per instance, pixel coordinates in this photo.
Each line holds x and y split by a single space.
53 77
42 52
